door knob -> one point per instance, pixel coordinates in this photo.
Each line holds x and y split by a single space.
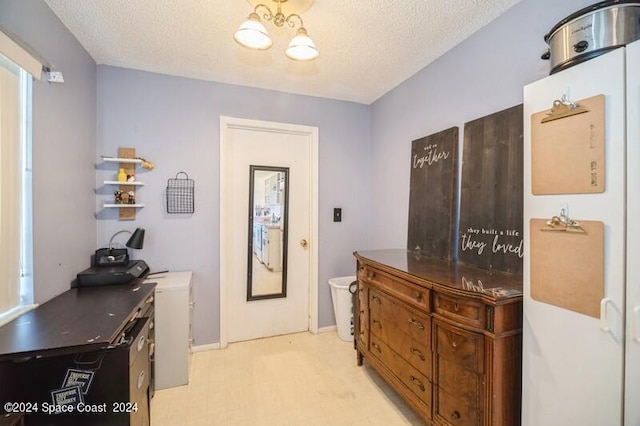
303 243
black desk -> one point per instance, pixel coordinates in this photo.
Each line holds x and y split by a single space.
81 329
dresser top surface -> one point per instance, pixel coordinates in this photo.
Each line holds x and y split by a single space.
495 285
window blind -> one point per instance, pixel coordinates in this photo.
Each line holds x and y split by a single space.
10 185
20 53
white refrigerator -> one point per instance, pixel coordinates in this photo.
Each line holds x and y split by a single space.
579 369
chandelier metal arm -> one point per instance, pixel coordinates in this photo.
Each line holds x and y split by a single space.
290 18
278 18
268 14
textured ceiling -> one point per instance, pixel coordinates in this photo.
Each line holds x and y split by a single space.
367 47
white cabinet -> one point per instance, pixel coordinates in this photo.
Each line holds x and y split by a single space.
272 248
274 259
274 189
173 312
575 370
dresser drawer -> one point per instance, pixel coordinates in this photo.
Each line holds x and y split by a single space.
450 410
408 320
465 384
415 352
413 379
460 346
410 340
407 292
460 310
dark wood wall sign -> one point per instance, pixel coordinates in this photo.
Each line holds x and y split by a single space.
432 194
490 230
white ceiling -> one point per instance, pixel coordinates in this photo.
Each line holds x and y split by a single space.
367 47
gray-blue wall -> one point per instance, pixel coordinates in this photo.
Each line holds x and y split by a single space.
64 133
364 150
480 76
174 122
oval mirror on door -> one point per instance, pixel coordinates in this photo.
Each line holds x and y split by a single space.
267 251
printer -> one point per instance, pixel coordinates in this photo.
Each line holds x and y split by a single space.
113 275
112 266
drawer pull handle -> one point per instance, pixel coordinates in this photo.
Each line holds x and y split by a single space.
455 339
140 379
455 415
376 299
456 307
417 382
371 274
415 351
141 342
377 347
417 296
416 323
378 323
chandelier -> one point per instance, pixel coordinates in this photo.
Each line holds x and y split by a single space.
253 34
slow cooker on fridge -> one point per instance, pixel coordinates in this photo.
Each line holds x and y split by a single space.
591 32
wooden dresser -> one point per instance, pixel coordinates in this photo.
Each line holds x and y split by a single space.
446 336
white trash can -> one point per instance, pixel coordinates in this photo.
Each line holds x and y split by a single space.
343 306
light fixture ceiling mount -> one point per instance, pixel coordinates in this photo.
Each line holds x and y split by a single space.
254 35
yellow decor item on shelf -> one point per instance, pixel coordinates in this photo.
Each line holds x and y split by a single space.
122 176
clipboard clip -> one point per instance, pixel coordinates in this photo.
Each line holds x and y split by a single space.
564 223
563 108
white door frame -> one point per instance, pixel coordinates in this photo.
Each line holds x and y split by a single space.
269 126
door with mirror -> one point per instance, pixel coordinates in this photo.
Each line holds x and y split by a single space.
267 220
267 250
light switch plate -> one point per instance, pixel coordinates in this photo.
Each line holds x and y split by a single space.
337 214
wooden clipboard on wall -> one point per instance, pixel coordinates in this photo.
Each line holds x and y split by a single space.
567 268
568 150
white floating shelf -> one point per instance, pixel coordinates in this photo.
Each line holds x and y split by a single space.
122 206
121 160
117 182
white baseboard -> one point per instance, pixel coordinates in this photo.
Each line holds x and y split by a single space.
215 346
207 347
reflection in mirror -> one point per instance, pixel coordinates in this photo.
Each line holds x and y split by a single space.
267 252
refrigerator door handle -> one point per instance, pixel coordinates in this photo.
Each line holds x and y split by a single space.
603 314
636 324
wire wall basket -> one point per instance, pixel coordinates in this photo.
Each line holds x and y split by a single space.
180 194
